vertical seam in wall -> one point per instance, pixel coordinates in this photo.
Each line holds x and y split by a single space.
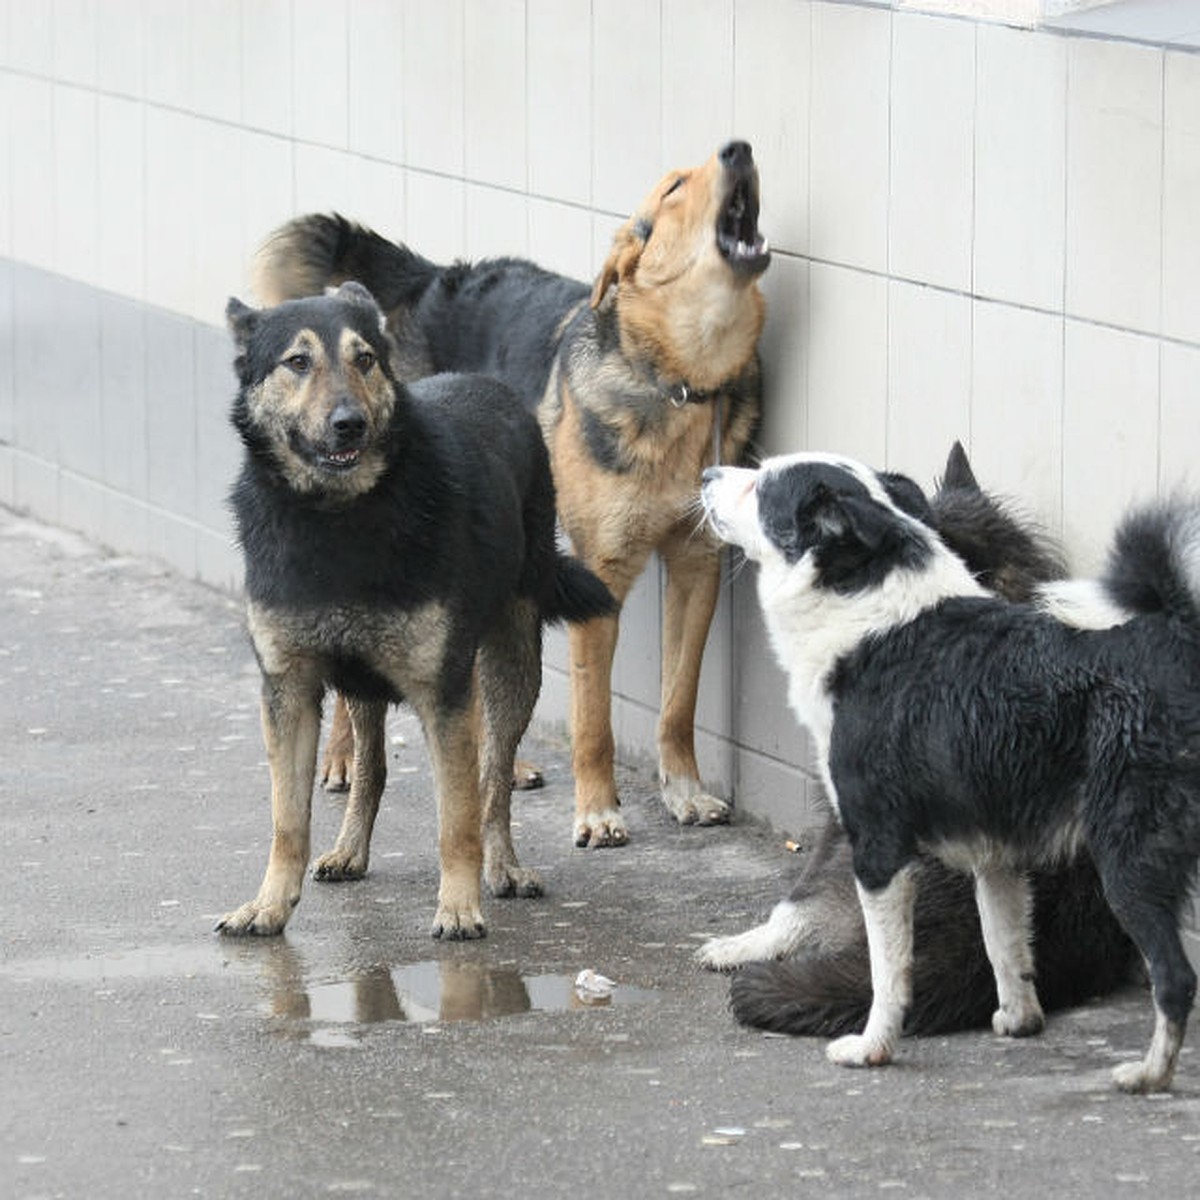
1062 334
887 302
971 242
1162 253
525 110
292 96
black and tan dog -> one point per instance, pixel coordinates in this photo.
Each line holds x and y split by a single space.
399 545
640 382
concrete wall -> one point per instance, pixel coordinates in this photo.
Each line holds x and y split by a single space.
980 232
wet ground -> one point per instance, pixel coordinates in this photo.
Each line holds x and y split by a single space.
142 1055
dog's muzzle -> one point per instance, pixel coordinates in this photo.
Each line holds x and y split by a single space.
346 431
738 238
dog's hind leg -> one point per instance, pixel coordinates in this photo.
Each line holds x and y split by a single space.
598 819
349 856
888 915
1005 907
510 661
1153 926
693 583
337 763
291 721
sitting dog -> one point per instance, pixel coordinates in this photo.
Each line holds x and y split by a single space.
399 544
996 737
823 986
640 380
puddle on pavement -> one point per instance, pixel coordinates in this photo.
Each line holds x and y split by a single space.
336 1013
441 991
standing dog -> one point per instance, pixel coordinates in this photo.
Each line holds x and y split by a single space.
994 736
823 988
640 381
399 545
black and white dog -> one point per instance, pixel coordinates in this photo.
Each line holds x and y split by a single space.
806 970
996 737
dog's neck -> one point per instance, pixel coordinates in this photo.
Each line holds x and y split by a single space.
812 628
695 351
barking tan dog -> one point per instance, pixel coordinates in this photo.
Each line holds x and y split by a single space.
640 382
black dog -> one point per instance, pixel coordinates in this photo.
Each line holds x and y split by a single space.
994 736
399 545
824 988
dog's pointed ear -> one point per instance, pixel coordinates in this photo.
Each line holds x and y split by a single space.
958 475
241 319
628 243
355 293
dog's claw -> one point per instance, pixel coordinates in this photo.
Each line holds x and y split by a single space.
254 920
451 930
598 830
512 880
339 865
690 804
527 777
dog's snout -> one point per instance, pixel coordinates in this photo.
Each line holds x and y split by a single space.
736 156
348 422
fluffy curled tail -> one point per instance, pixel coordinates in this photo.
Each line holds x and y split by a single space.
1154 563
313 252
816 996
578 594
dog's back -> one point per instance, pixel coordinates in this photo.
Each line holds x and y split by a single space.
499 317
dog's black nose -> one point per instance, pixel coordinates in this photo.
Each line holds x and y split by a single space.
737 156
348 423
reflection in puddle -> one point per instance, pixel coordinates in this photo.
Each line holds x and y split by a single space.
436 991
334 1013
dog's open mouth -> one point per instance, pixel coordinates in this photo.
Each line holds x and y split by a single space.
738 239
339 460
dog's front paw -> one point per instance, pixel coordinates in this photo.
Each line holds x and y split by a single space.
458 924
340 864
690 804
855 1050
1024 1021
256 918
600 829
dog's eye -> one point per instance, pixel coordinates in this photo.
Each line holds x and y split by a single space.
299 362
675 186
364 360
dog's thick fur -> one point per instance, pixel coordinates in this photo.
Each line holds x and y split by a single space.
997 737
640 381
399 544
823 986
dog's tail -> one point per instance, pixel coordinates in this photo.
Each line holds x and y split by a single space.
579 595
1154 563
817 995
320 250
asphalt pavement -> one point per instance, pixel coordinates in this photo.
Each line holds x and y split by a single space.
143 1055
